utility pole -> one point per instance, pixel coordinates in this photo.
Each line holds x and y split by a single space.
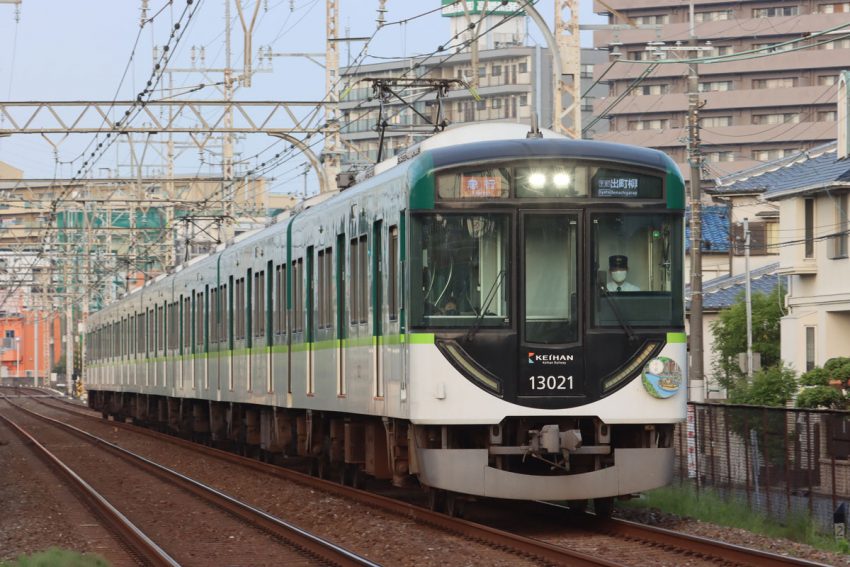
696 373
749 299
333 140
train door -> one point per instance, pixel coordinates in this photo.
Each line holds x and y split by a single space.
550 364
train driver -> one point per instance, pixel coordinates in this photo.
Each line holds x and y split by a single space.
618 267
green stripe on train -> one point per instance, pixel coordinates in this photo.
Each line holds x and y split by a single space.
389 340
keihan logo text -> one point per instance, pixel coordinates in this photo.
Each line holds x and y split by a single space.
548 358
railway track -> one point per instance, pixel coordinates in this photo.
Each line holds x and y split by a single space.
158 502
588 541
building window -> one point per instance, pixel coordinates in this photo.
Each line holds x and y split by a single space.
657 124
523 67
827 80
639 55
834 8
496 70
656 19
839 241
717 157
523 100
720 50
482 71
651 89
810 348
770 155
774 12
715 86
715 121
774 47
777 118
586 71
836 44
809 228
780 83
481 104
713 16
827 116
497 103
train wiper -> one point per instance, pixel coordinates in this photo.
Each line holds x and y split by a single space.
488 299
623 323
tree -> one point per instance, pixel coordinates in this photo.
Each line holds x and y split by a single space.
772 386
730 338
818 392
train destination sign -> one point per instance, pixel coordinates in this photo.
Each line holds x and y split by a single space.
618 184
480 186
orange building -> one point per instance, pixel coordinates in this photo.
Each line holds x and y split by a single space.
18 345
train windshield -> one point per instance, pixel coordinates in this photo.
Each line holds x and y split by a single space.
638 274
551 261
460 277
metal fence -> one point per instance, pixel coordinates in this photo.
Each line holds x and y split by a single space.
780 462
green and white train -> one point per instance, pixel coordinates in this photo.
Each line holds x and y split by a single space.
461 315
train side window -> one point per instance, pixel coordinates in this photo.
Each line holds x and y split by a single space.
260 304
151 322
392 275
325 288
239 309
214 315
309 297
280 300
186 328
359 278
298 295
222 320
199 321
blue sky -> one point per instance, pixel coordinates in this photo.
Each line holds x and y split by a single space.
79 51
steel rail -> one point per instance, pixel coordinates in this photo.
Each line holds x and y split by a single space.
546 552
310 543
137 542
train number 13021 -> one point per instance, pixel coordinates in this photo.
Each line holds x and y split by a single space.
559 382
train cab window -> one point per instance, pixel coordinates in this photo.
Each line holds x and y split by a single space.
462 273
638 278
548 180
492 183
550 279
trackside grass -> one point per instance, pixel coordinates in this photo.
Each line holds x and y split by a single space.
55 557
707 506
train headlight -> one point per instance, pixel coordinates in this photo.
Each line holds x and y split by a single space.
537 180
461 360
562 180
631 367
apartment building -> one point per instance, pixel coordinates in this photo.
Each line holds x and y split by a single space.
777 97
514 81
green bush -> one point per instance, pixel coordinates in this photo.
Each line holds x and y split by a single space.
815 377
821 397
772 386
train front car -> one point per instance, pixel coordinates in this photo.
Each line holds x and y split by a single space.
547 355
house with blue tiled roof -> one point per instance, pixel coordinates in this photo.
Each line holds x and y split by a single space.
812 193
721 293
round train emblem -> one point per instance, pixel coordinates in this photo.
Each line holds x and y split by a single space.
662 377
